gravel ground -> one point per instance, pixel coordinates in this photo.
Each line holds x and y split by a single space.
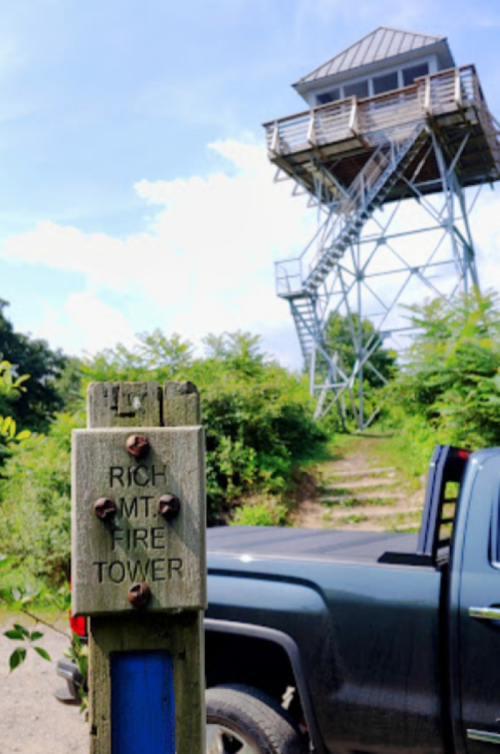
32 721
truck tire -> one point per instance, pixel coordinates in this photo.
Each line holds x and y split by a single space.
242 720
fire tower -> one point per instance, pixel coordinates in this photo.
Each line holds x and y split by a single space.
393 135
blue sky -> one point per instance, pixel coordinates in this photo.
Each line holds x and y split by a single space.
135 191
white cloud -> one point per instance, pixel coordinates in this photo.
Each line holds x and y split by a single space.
206 261
87 321
205 264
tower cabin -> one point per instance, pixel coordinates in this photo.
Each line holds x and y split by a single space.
394 88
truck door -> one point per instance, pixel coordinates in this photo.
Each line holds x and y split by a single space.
475 610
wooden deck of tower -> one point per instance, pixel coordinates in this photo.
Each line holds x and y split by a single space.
341 136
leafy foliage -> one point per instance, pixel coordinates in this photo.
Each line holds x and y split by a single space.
155 357
452 377
263 513
36 488
339 338
79 653
10 387
18 632
35 410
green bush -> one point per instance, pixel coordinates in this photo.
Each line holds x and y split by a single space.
35 520
265 513
450 385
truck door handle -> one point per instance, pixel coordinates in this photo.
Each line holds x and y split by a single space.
483 735
485 613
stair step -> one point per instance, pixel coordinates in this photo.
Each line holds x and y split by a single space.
363 472
349 228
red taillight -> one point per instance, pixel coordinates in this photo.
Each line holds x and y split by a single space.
78 625
464 454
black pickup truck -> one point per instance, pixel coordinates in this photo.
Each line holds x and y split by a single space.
354 643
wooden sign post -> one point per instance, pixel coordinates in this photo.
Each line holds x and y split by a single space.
138 565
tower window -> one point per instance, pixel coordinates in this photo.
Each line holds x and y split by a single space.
359 90
385 83
332 96
410 74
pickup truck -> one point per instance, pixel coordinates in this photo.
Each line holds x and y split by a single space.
348 642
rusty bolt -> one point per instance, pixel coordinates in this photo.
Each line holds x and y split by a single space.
105 508
169 506
139 595
137 446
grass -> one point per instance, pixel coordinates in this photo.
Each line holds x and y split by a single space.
334 491
331 451
355 518
407 522
353 501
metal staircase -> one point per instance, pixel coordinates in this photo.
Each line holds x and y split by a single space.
307 323
366 193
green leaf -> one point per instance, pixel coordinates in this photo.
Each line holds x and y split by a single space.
42 653
17 657
5 596
14 635
35 635
5 561
16 594
23 435
24 631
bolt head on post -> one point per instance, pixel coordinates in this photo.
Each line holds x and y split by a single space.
137 446
169 506
139 595
105 509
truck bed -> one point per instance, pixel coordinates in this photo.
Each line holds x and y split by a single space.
306 544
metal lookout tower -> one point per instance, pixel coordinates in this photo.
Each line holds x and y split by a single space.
393 136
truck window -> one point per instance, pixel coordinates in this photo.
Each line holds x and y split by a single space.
495 535
442 493
444 480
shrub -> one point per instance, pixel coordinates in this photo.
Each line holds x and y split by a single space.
35 521
451 381
265 513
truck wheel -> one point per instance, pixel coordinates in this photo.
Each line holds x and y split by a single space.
242 720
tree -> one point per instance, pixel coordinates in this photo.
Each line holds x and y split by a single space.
451 377
33 357
338 337
155 357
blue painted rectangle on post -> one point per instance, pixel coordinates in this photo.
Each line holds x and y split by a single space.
142 703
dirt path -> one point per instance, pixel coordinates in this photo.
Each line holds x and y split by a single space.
362 489
32 721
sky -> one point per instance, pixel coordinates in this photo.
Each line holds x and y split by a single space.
135 189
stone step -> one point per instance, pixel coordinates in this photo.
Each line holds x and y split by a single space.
362 472
351 499
361 485
374 514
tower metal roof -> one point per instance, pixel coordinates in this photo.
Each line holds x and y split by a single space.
379 45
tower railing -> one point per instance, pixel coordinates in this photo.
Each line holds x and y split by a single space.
433 95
